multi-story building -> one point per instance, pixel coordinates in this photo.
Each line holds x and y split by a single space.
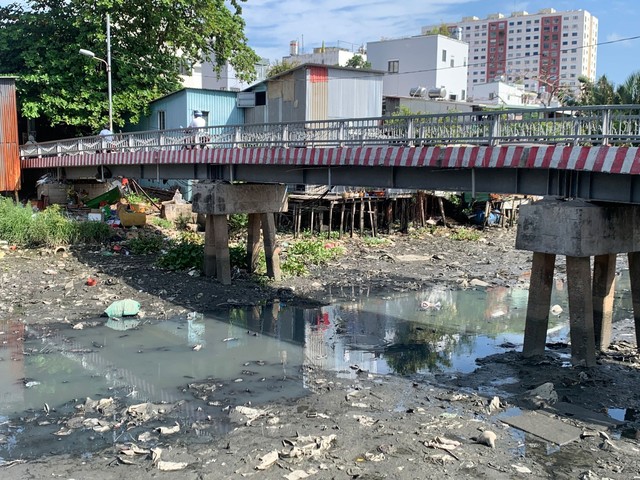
421 62
544 51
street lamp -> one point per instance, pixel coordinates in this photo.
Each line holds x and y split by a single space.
107 62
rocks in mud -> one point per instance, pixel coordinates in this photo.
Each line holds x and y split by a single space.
540 397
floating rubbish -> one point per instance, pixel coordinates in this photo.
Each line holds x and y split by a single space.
427 305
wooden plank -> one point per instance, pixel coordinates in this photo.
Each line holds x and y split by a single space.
604 275
209 247
583 349
253 242
221 235
634 279
537 322
271 250
545 427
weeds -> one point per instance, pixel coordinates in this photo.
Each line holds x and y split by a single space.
22 226
468 234
137 198
91 232
182 222
145 244
375 241
305 253
162 222
185 253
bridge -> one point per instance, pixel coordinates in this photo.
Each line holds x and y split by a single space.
584 152
588 153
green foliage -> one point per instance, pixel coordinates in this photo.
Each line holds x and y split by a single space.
441 30
145 243
304 253
184 254
162 222
358 61
15 221
468 234
238 256
279 67
151 43
22 226
238 223
50 228
182 222
375 241
137 198
92 232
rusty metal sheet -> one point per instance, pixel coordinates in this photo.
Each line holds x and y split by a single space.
9 147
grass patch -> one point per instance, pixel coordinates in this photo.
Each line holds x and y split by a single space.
375 241
468 234
162 222
20 225
305 253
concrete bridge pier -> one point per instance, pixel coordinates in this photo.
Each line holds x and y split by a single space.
579 230
260 201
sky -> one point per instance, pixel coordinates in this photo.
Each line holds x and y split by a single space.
272 24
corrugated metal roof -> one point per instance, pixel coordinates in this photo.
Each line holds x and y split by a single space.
9 151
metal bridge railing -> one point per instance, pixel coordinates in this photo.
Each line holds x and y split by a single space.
596 125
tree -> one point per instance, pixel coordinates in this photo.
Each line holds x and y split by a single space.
601 92
441 30
358 61
278 67
152 42
629 92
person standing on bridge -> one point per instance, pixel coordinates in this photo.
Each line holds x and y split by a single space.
197 123
107 137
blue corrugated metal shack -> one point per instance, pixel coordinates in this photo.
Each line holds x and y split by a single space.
175 110
314 92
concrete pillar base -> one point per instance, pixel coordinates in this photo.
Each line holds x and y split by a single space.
579 230
216 200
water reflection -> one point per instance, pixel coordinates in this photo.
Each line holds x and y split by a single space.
263 353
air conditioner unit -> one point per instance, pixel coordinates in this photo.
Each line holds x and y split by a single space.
246 99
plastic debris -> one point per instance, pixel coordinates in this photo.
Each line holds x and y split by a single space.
171 466
123 308
267 460
487 438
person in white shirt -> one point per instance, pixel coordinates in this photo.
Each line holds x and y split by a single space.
197 123
107 137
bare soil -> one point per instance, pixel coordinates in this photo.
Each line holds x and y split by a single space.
372 427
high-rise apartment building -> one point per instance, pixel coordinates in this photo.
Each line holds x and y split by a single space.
544 51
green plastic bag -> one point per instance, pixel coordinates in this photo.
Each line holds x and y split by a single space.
123 308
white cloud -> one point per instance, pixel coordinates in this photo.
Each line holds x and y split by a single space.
272 24
619 39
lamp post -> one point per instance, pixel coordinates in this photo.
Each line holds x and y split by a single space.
107 62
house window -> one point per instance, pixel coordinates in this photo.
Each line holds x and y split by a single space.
452 63
393 66
462 95
444 55
261 99
162 123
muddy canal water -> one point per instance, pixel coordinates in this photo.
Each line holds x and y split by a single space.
248 356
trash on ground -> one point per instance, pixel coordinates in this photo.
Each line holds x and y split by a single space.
123 308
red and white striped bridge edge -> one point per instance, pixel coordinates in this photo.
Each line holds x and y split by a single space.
605 159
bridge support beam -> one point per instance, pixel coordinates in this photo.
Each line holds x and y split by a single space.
217 200
579 230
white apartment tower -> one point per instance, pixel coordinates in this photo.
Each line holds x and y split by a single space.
544 51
